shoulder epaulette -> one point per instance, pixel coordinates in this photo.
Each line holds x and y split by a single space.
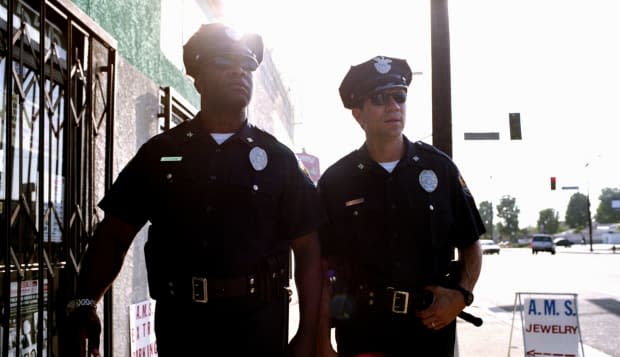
431 149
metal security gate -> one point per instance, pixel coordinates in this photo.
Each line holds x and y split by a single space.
56 115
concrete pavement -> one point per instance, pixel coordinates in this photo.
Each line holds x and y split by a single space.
499 335
493 338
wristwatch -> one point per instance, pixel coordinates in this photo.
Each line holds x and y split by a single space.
468 297
74 304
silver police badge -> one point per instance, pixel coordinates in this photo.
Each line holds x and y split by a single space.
258 158
382 64
428 180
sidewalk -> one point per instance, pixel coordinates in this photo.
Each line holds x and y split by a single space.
493 337
490 339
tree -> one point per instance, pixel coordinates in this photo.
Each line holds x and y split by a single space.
486 213
577 212
508 211
605 213
548 221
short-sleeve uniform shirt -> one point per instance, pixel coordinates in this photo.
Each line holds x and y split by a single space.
220 208
394 228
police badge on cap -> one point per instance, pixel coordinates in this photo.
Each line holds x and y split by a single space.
218 39
376 74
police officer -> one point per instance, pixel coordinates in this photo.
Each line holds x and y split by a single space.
225 201
396 212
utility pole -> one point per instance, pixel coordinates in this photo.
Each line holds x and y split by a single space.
440 59
589 220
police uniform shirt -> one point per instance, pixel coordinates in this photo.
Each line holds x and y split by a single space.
219 209
392 229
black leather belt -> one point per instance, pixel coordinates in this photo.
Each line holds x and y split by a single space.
401 302
204 289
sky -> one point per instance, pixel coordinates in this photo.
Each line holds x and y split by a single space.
556 62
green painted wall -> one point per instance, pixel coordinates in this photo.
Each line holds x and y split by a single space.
135 24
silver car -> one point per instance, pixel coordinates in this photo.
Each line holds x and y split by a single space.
542 243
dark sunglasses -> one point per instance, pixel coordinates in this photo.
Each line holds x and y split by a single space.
381 98
225 62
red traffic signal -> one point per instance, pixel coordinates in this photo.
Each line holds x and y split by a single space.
553 182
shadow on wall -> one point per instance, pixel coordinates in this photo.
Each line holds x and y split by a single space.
146 118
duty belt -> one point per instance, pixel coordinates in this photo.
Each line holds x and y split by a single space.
204 289
265 285
400 302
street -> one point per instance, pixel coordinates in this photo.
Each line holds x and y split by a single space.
593 276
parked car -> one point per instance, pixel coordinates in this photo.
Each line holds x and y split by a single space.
542 243
562 242
489 247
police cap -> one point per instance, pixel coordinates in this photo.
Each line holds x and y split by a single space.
218 39
374 75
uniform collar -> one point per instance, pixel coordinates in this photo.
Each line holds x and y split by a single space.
413 156
194 131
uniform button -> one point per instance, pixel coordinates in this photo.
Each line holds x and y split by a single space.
255 187
355 213
393 206
395 235
431 207
169 177
218 150
397 264
212 177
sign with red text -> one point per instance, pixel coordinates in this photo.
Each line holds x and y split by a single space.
142 329
551 325
311 163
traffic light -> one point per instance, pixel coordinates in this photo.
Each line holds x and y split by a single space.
553 182
514 121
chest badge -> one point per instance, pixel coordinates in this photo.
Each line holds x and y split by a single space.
258 158
428 180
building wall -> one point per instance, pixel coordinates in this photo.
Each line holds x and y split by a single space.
136 26
140 43
137 103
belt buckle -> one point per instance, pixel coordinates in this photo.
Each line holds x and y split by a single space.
400 301
199 290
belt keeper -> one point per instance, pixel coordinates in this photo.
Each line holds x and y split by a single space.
200 292
252 284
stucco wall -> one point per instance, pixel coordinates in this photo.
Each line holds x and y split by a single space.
137 104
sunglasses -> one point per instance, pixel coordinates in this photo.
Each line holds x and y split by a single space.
381 98
223 62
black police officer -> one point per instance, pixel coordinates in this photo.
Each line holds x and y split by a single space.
396 212
226 201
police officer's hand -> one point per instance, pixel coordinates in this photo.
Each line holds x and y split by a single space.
83 327
447 304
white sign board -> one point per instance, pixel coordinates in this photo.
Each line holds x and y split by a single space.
551 325
142 329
